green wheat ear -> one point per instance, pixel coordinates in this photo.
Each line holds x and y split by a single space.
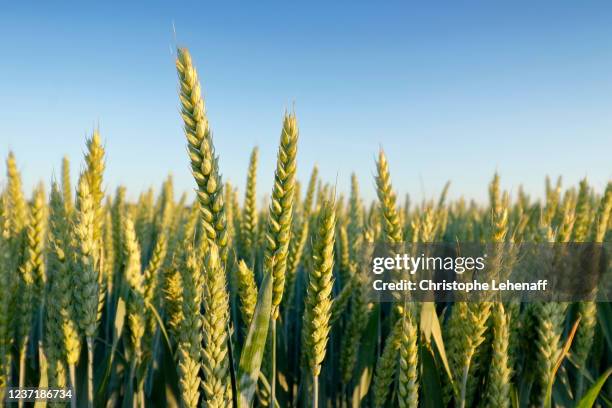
248 225
343 255
154 277
189 348
408 386
318 308
583 211
310 191
173 300
37 242
16 221
16 209
61 313
354 227
118 214
387 365
135 281
94 158
230 216
387 199
109 249
56 289
281 210
355 326
247 290
498 391
24 255
5 298
67 186
215 357
85 277
550 316
604 215
204 162
34 272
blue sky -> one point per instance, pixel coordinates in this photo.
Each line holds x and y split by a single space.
453 90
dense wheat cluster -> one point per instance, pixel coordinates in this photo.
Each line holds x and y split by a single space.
217 302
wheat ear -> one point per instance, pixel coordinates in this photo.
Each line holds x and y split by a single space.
56 278
310 192
5 298
386 365
118 213
36 261
31 279
356 323
37 242
94 158
388 207
87 278
248 225
62 313
189 348
281 210
408 386
278 231
498 387
135 280
354 227
215 358
247 290
16 210
318 303
204 162
67 186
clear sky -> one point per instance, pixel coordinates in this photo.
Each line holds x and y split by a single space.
450 90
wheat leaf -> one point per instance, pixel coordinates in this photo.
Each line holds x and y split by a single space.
253 351
589 398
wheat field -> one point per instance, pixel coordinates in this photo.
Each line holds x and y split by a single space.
228 301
